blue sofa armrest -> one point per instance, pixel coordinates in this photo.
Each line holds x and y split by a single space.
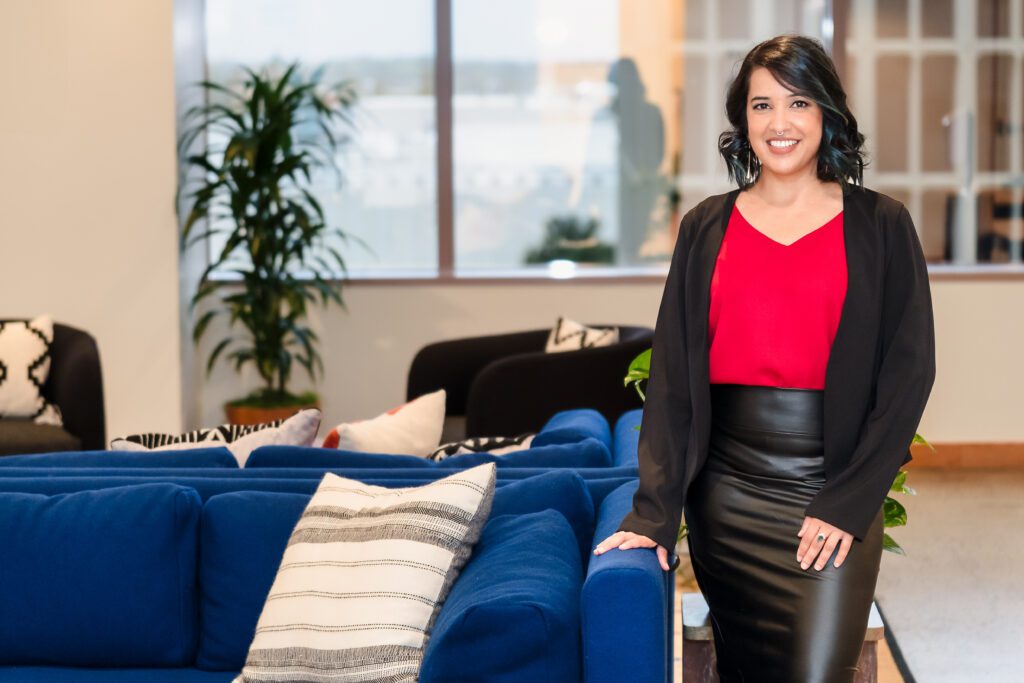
626 439
626 606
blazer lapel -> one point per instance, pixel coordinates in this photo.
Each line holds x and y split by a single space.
700 267
698 286
852 350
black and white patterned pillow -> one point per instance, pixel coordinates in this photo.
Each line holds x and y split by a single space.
495 445
569 335
298 430
201 437
24 367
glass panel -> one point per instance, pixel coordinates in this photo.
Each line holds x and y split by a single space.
993 18
695 130
562 131
993 112
937 72
891 18
695 18
388 197
849 76
995 214
734 18
937 18
892 74
935 225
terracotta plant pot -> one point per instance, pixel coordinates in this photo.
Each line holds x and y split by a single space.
251 415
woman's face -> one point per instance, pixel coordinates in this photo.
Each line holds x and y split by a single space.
771 108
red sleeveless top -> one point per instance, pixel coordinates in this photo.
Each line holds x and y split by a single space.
775 308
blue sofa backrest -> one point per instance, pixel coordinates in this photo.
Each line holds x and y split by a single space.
209 486
300 472
589 452
196 457
572 426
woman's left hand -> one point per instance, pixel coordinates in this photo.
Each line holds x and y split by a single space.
811 547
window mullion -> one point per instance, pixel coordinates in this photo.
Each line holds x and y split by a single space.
445 176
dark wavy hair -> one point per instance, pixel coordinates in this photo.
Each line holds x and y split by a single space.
802 65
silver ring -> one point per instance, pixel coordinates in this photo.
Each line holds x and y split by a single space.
821 537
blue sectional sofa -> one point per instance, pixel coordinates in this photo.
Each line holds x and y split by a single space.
196 540
130 573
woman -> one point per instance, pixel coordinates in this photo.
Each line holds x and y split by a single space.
793 356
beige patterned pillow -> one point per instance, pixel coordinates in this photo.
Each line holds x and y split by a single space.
569 335
364 576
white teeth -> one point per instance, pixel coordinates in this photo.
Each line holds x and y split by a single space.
784 143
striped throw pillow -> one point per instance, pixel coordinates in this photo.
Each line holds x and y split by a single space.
363 578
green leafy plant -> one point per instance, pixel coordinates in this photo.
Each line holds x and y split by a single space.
251 188
573 239
892 510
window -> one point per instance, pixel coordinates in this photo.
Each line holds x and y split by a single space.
937 88
388 198
568 137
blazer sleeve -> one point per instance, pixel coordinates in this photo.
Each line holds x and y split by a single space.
665 424
852 499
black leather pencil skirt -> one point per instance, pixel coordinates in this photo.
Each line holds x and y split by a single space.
772 620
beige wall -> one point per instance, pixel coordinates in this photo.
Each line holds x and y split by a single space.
87 229
88 233
979 329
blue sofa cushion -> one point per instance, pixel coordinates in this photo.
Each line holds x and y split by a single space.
194 457
244 534
573 426
513 614
587 453
99 578
242 540
562 490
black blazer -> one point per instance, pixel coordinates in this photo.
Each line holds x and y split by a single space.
879 374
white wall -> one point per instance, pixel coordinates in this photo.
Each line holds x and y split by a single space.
367 352
87 229
979 331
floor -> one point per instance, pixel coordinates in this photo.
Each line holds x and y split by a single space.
955 601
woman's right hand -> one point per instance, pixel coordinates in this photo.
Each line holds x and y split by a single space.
624 540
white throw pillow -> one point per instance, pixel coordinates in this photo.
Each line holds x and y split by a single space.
495 445
569 335
364 576
298 430
413 428
24 367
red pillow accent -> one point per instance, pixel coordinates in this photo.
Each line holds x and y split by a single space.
332 439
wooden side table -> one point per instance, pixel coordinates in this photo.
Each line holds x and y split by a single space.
699 645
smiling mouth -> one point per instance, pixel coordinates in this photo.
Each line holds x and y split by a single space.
782 144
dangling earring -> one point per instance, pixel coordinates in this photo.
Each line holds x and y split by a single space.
752 164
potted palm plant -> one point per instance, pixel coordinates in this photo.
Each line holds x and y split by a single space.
893 511
250 190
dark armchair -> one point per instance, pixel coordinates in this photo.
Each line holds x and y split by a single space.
75 385
505 384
